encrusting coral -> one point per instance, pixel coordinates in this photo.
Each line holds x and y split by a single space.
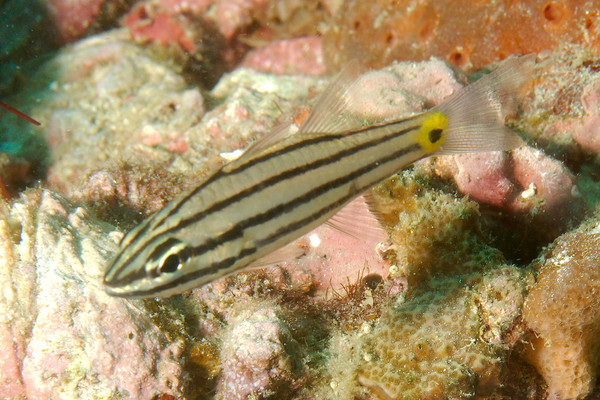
562 115
448 341
562 310
456 309
433 232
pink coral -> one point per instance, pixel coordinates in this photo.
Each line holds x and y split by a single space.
162 28
484 177
525 181
60 332
230 17
585 130
73 17
292 56
254 355
186 6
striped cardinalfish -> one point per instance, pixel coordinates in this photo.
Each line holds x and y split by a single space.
288 184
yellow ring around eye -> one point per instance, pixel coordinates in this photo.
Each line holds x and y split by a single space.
432 133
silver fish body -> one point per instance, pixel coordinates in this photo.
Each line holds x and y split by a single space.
267 198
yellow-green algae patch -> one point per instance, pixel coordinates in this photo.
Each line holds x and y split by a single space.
437 344
432 232
449 331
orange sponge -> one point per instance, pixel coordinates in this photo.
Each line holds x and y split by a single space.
469 36
563 311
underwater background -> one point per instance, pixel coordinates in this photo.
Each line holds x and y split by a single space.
486 287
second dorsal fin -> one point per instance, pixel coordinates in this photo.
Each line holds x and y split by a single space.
330 113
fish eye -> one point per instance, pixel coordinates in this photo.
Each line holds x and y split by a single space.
168 257
170 264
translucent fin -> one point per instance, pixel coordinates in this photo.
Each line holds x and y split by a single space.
279 133
476 113
358 220
287 253
330 114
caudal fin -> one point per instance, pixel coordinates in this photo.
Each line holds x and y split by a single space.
476 113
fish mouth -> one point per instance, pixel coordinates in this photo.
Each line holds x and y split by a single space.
124 294
114 291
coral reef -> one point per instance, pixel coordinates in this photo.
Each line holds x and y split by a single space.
293 56
228 29
435 344
102 88
259 354
562 310
469 37
254 352
59 331
563 106
128 191
436 314
433 233
74 19
524 188
500 180
195 42
132 109
449 340
254 21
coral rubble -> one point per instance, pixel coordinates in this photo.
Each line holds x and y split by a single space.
59 331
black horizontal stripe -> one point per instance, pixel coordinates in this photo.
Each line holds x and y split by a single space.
236 232
265 157
288 174
285 175
295 146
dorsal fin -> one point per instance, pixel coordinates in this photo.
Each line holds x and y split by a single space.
277 134
330 113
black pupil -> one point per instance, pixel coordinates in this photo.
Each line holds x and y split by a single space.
171 264
435 135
